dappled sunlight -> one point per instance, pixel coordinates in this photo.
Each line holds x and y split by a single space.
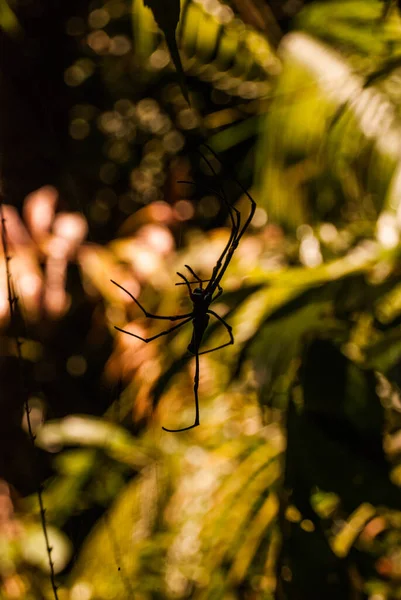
39 211
157 238
388 233
72 228
40 254
56 301
254 147
9 525
98 265
130 353
143 259
309 251
29 284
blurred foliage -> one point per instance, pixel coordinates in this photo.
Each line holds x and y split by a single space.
8 20
290 487
168 21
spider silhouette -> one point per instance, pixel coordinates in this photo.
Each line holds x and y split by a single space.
202 297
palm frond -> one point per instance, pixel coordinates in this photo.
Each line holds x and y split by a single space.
215 47
335 141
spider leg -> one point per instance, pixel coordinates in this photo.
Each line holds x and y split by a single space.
146 313
235 215
186 283
220 194
147 340
232 243
247 194
220 267
196 387
192 282
219 293
229 329
194 274
238 231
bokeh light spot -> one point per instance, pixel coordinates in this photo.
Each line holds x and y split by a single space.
116 9
99 42
79 129
183 210
87 65
304 231
74 76
81 591
208 207
119 151
328 232
98 18
259 218
36 414
161 211
120 45
157 237
125 107
76 365
110 122
159 59
147 107
70 226
173 141
307 525
188 119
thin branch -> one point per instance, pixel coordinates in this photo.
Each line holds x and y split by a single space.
13 305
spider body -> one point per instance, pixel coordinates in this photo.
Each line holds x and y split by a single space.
200 319
200 297
200 325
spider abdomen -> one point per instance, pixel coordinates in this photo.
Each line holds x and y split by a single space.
200 323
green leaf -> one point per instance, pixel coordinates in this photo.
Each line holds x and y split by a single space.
167 16
252 537
344 540
121 538
383 354
93 432
8 21
335 433
329 138
214 46
353 25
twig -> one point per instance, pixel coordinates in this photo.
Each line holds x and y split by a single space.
13 304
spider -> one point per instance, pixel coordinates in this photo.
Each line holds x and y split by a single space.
202 297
